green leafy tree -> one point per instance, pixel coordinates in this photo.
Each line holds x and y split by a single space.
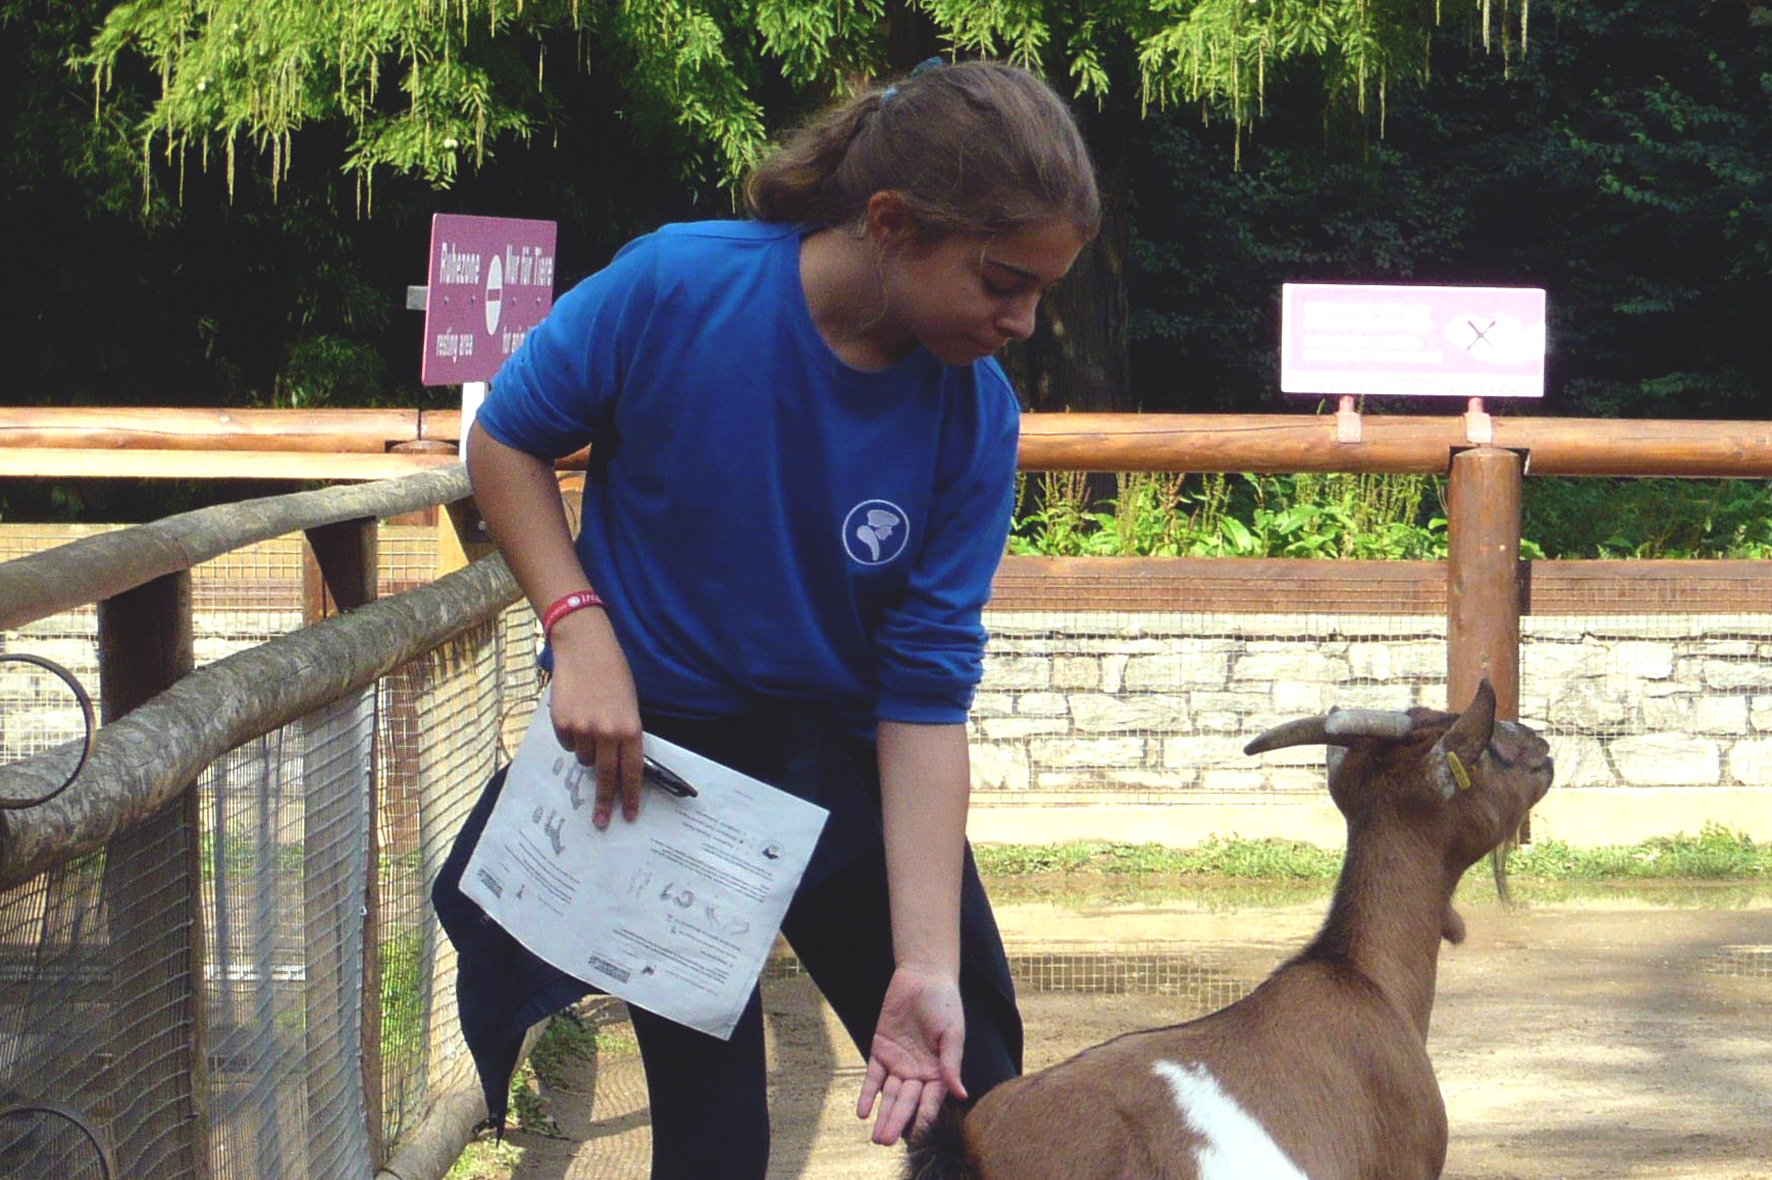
422 89
1622 164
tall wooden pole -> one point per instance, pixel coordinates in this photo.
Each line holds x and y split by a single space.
1483 582
1483 579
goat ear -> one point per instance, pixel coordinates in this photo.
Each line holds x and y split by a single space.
1470 734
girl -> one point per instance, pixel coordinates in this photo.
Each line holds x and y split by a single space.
802 471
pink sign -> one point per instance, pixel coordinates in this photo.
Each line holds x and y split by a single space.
491 280
1442 341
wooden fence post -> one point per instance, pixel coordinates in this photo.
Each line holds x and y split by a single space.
461 536
152 896
341 569
1483 579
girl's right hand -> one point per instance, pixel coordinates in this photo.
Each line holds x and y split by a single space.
594 709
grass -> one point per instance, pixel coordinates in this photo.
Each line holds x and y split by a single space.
1216 857
1717 853
486 1159
588 1032
402 993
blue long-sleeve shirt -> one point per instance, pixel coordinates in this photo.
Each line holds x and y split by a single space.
762 519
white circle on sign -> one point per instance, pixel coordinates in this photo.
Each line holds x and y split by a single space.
495 283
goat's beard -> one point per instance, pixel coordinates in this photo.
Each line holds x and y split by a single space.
1498 867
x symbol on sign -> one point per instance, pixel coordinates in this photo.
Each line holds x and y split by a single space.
1481 336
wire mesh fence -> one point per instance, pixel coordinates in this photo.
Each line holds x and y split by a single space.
240 919
1147 707
442 719
1151 707
1652 700
54 1140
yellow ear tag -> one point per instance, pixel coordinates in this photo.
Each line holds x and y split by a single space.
1459 773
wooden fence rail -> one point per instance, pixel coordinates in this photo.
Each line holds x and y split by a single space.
55 443
93 569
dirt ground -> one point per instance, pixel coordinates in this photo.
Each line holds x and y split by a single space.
1608 1038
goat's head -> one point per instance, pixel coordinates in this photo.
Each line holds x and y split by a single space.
1465 780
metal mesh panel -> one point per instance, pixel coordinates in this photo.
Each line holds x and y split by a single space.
97 985
38 712
250 591
99 1000
285 845
442 717
406 557
92 997
18 540
1746 962
53 1141
1147 968
1127 968
1651 700
55 991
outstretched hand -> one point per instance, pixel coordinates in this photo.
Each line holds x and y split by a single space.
914 1062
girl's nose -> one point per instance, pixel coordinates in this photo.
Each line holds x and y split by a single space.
1016 320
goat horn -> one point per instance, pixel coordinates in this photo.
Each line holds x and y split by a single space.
1378 723
1340 728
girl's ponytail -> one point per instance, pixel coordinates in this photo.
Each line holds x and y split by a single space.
793 184
973 148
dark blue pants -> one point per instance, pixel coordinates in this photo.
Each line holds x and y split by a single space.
709 1098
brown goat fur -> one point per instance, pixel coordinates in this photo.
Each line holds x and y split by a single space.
1320 1073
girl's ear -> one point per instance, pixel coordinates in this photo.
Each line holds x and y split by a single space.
889 224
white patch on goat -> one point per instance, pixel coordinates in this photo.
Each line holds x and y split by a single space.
1237 1147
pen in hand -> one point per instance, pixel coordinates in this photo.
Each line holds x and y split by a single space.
667 780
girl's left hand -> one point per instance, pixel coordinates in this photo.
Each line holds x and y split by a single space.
914 1062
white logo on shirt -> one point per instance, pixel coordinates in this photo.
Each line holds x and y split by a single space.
875 532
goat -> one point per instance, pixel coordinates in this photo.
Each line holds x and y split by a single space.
1321 1072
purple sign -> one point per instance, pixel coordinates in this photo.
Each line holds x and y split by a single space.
1442 341
491 280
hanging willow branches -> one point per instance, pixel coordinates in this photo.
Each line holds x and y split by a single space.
427 84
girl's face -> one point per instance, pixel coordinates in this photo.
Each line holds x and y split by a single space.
964 297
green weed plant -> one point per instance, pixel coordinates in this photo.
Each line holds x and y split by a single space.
1155 514
1379 517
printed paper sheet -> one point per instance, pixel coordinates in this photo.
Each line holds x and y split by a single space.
676 911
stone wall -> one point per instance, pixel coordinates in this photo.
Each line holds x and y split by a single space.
1155 708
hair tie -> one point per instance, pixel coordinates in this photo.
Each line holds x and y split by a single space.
921 68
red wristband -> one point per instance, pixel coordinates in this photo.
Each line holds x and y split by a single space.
577 600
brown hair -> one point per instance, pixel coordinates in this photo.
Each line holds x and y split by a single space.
973 147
